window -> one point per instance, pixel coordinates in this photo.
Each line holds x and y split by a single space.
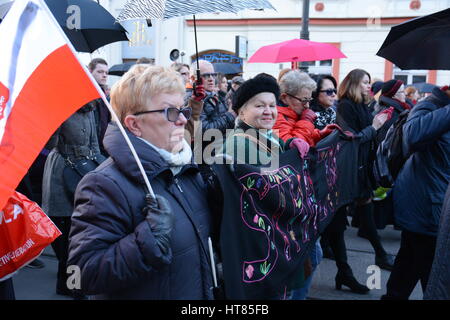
319 67
403 78
410 76
418 79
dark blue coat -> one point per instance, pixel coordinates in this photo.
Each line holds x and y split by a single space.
420 187
438 286
113 244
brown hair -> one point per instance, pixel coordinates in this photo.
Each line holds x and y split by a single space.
350 87
94 62
136 87
410 90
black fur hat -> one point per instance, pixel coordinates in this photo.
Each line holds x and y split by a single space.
263 82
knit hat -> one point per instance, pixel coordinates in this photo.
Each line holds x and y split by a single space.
376 86
390 88
263 82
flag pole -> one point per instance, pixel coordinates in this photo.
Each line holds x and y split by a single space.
103 97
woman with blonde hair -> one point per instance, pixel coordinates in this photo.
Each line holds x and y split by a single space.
128 244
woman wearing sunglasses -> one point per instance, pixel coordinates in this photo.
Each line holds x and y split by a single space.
324 99
127 244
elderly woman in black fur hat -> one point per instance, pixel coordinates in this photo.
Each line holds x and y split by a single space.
253 140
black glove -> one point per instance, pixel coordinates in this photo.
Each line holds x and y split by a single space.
161 220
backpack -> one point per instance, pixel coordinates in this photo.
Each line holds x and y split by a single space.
390 156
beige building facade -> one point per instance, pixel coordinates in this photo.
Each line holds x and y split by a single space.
357 27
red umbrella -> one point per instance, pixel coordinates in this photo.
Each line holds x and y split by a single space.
296 50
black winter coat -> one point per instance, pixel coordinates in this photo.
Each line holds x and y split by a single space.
111 241
356 117
421 184
215 114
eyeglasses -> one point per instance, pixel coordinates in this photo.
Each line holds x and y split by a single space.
172 114
207 75
303 101
329 92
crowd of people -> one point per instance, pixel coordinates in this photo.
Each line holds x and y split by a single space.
132 245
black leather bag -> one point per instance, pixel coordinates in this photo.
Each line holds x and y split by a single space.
74 171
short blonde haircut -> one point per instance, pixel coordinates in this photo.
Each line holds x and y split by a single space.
136 69
133 91
294 81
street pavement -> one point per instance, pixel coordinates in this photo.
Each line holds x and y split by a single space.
39 284
360 256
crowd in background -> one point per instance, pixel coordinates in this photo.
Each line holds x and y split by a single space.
132 246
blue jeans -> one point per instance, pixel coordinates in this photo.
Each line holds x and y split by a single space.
316 257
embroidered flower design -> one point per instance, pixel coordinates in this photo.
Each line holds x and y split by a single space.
249 271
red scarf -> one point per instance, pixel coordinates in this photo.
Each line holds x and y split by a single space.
404 105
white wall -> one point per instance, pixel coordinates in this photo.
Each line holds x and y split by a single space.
443 78
359 42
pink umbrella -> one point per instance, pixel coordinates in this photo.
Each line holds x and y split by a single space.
296 50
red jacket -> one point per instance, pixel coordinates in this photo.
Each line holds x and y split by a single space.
289 126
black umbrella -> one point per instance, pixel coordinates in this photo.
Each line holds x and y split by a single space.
97 26
420 43
424 87
120 69
4 8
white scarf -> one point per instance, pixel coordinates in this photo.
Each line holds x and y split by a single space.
176 161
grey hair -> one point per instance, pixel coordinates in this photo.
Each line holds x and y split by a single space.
294 81
200 64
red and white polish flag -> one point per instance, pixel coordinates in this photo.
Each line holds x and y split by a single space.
42 83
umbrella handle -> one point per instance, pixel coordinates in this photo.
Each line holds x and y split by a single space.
196 49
